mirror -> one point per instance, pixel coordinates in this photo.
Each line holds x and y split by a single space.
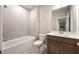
63 19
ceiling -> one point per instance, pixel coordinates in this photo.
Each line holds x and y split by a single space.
29 7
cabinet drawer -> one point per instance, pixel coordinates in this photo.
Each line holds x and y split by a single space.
68 41
55 38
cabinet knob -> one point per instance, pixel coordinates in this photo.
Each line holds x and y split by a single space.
77 44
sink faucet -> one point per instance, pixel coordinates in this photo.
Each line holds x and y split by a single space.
61 31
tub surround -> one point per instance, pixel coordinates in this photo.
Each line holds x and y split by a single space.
15 22
66 43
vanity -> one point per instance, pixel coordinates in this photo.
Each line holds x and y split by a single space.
59 43
64 39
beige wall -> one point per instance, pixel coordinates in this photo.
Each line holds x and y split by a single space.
73 18
15 22
0 29
40 19
77 18
45 18
33 22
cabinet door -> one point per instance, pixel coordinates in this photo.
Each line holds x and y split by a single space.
77 46
67 48
77 50
52 47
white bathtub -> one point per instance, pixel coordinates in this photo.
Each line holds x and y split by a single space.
18 45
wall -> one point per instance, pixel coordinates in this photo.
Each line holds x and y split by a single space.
45 18
77 18
33 22
73 18
15 22
0 27
1 31
40 20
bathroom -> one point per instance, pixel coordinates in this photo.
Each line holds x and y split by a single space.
25 29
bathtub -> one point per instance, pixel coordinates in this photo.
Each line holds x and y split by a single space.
18 45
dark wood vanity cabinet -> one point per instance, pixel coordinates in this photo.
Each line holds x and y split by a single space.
61 45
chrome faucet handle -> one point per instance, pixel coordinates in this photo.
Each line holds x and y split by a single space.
77 44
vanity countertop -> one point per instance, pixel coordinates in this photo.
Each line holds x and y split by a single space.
64 34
